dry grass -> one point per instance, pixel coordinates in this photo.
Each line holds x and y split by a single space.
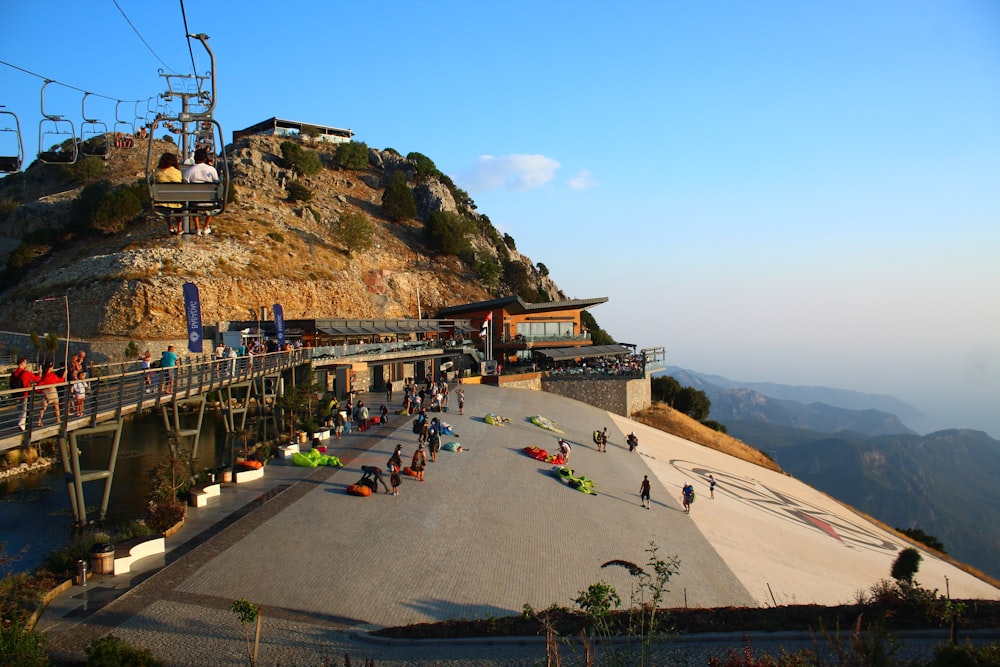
663 417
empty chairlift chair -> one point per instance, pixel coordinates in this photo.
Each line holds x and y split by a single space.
59 134
94 141
11 144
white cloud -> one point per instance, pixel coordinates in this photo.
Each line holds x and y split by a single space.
582 181
513 172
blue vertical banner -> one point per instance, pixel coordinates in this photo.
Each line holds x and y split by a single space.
192 308
279 324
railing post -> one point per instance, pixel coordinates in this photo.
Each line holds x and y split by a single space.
121 395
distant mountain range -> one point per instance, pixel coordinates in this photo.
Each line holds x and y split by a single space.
854 447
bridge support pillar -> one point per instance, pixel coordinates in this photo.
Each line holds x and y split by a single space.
69 450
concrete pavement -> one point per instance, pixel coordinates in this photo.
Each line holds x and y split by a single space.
489 531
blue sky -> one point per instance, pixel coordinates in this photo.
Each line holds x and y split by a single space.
797 192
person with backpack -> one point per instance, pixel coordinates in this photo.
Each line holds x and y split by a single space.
22 378
687 497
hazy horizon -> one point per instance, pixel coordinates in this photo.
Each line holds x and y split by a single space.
803 193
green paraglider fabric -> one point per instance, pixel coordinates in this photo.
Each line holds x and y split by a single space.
313 459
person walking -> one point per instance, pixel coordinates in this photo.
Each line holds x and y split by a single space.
388 392
633 442
711 487
687 497
419 462
602 441
644 491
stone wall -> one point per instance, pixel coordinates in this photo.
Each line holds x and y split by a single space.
622 397
13 345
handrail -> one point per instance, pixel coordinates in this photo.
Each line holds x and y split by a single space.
114 390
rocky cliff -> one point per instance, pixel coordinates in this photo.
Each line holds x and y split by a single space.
126 282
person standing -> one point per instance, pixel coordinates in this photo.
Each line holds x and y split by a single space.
80 392
644 491
434 442
338 423
388 392
168 362
461 401
22 378
201 172
687 497
633 442
419 462
394 479
711 487
48 391
144 364
602 441
397 458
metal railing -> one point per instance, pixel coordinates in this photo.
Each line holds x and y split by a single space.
116 389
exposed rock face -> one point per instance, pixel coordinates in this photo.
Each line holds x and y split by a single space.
264 250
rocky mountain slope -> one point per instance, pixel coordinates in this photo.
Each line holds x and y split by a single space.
265 249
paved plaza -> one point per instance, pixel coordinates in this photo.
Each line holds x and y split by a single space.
488 532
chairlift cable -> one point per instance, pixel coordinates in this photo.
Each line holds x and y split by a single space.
65 85
187 33
141 38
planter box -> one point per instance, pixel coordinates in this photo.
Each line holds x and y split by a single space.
323 435
201 495
133 551
243 476
286 451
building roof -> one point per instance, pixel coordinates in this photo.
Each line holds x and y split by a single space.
515 305
565 353
274 122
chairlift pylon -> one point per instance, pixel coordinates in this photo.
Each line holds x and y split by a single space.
94 141
50 128
10 164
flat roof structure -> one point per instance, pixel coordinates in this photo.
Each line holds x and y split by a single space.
280 127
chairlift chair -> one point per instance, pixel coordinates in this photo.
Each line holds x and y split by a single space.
94 141
11 156
195 198
57 132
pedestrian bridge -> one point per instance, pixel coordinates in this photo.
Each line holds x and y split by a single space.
114 392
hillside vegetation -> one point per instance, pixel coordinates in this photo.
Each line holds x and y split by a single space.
310 228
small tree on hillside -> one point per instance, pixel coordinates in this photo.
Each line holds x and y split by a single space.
310 132
397 200
353 155
905 567
355 231
693 402
598 335
665 389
